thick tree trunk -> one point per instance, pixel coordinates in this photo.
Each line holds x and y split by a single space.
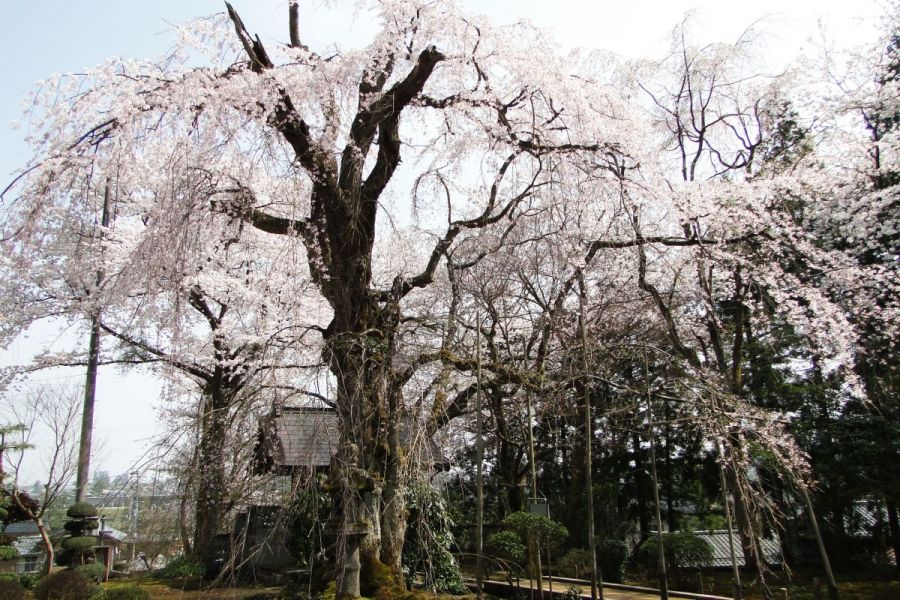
211 495
894 526
393 515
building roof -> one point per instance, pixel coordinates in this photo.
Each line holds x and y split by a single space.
721 557
297 437
308 437
29 545
21 528
111 533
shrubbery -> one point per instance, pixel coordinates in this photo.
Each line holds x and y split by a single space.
128 591
11 590
182 566
94 571
612 555
65 585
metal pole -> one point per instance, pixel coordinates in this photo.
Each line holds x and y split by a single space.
90 384
596 576
663 577
479 474
735 572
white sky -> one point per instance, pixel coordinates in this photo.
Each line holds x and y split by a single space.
40 38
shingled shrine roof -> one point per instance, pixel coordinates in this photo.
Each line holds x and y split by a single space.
297 437
292 437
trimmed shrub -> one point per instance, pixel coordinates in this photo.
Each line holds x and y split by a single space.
11 590
81 543
93 571
65 585
507 545
8 553
82 510
129 591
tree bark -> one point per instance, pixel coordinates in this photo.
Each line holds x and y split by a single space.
211 495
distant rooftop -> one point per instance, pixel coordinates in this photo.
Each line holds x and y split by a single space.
21 528
718 541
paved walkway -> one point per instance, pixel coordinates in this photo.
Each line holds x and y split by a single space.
560 587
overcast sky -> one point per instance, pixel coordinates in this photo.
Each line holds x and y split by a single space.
41 38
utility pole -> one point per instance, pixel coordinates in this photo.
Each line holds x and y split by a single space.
90 384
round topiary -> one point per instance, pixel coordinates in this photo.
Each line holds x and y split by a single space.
11 590
65 585
80 543
82 510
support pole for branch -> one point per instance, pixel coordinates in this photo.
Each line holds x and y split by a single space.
832 584
90 383
535 542
596 576
479 473
735 571
663 575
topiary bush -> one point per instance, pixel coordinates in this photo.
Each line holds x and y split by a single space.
129 591
683 550
93 571
78 548
65 585
82 510
8 553
508 546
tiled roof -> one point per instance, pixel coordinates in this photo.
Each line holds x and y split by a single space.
718 541
29 545
21 528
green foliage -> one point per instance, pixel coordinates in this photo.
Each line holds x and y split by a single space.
93 571
80 543
128 591
429 541
29 580
612 554
11 590
65 585
8 553
576 563
182 566
507 545
683 549
81 510
542 528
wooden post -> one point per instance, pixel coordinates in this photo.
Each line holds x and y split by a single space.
663 578
832 584
479 474
735 572
596 576
90 384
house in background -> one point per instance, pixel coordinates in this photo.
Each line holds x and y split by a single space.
27 541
